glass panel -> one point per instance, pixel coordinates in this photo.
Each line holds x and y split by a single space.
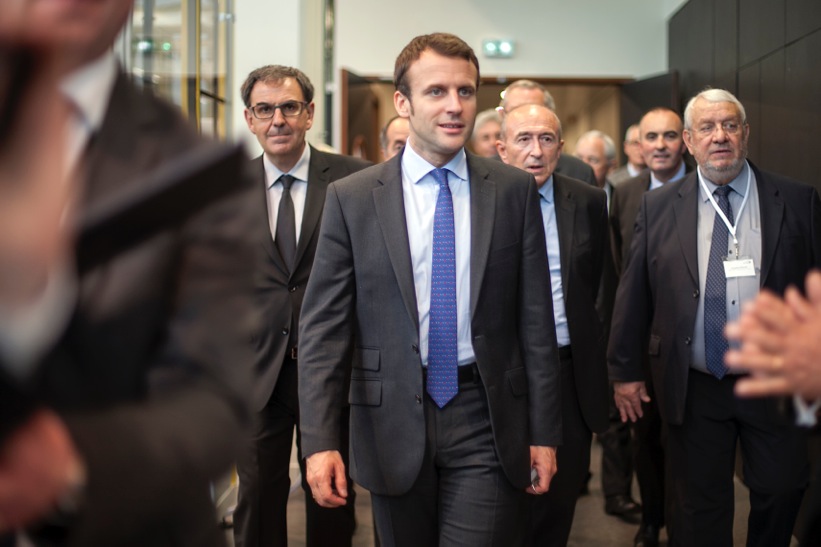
157 47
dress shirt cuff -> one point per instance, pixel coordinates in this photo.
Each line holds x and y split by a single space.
804 412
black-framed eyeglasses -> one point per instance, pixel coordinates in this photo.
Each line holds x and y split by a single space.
289 109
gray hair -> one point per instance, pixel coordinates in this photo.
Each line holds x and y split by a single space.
629 129
485 116
528 84
609 145
713 96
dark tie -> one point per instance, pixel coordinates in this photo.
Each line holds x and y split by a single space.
443 355
286 223
715 290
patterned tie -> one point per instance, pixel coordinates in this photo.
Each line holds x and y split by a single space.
443 356
715 290
286 223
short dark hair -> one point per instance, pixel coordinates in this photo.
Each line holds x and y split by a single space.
276 73
448 45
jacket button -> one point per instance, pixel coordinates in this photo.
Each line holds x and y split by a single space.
695 293
293 289
688 340
418 399
415 348
284 331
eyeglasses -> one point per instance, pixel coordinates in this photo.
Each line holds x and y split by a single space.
729 127
289 109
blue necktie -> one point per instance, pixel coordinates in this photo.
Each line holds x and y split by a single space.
443 355
715 290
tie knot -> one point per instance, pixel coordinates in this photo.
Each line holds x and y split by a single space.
722 191
287 181
441 176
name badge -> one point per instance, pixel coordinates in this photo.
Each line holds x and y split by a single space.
743 267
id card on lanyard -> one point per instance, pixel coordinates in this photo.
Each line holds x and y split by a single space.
734 265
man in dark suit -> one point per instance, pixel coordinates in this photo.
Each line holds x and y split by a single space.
578 245
689 271
294 177
143 384
430 292
635 164
662 143
529 92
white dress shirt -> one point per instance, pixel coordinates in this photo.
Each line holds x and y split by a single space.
299 190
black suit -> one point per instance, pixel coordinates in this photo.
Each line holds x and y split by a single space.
573 167
260 517
584 248
655 311
648 450
361 304
150 374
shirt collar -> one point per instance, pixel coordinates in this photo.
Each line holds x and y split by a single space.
299 171
679 174
738 184
416 167
85 86
546 189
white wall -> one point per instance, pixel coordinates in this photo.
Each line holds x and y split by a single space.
555 38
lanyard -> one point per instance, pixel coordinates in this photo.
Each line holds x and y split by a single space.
730 227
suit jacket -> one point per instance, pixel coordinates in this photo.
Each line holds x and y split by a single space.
279 293
658 293
584 246
360 317
573 167
621 174
624 208
151 374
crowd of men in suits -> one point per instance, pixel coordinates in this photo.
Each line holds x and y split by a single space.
443 329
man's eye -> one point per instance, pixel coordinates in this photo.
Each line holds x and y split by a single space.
289 108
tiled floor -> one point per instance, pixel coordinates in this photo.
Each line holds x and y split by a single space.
591 526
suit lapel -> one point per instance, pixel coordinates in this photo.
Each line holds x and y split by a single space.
686 220
482 219
771 208
318 180
565 207
390 212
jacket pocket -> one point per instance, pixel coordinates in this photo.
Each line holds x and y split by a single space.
517 378
365 392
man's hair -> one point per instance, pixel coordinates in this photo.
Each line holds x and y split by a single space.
275 74
713 96
447 45
485 116
629 129
529 84
558 121
383 135
609 145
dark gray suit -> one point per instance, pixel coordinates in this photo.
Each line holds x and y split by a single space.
655 312
260 517
151 374
584 246
360 318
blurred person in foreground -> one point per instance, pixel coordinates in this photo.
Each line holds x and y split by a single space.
134 361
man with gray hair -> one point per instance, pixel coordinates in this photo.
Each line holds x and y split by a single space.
486 131
635 159
597 150
703 246
529 92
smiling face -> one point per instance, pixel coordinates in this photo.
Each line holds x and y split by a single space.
661 143
532 141
441 106
282 138
718 140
